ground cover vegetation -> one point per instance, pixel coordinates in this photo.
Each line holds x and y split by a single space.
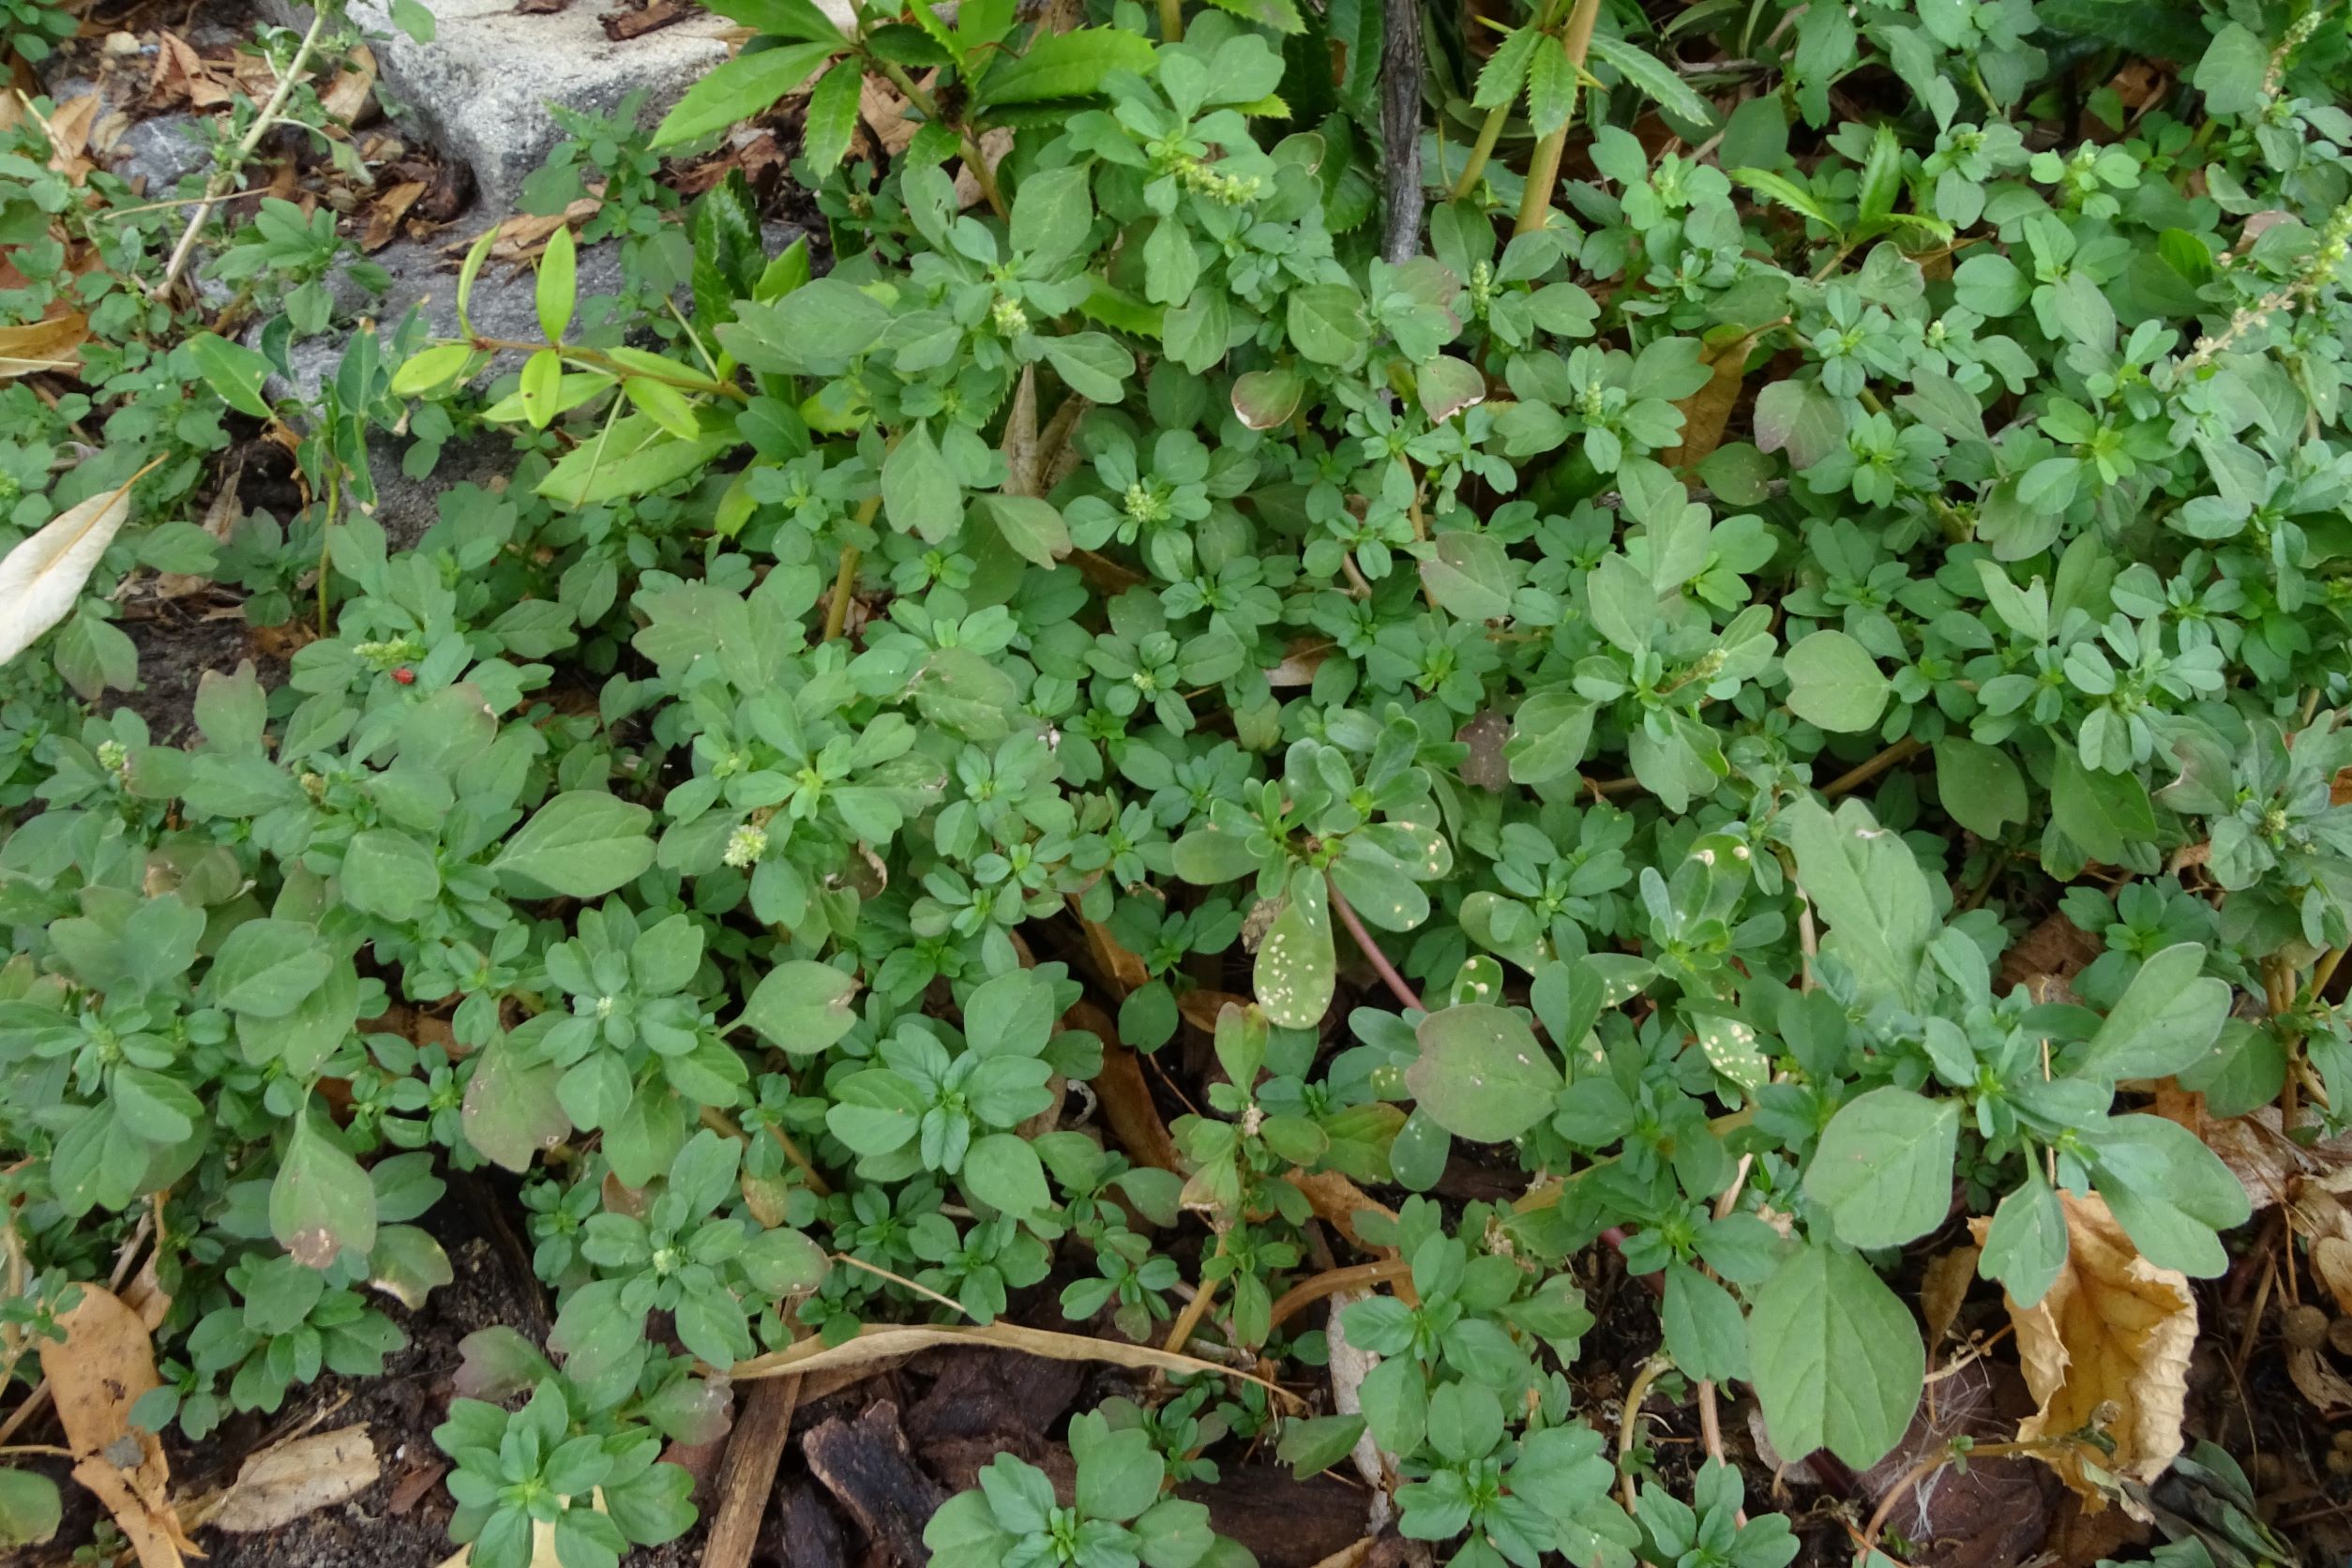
1289 602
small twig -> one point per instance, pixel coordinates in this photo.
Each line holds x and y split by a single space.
747 1473
1347 917
219 185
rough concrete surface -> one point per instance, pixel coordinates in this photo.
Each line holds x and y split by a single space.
481 88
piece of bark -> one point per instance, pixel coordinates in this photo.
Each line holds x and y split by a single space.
623 25
1285 1523
748 1473
982 1393
1400 130
867 1466
801 1531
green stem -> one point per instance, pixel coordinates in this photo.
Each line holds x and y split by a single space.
1542 170
1171 21
981 173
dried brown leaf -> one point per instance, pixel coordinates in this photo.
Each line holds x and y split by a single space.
285 1482
350 95
1943 1287
53 344
2115 1331
1019 444
96 1373
1707 411
1121 969
2318 1381
386 213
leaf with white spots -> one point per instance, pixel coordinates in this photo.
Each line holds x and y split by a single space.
1295 974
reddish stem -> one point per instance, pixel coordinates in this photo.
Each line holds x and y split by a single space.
1397 983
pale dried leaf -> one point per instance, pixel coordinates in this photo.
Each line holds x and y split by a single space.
53 344
69 135
385 215
96 1373
1349 1367
348 98
2115 1330
2331 1261
283 1483
40 579
1019 444
2318 1381
1943 1287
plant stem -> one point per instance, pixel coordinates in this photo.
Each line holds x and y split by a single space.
982 174
845 576
326 536
220 182
1347 917
1542 170
1862 772
1171 21
1179 1334
1481 149
1630 1422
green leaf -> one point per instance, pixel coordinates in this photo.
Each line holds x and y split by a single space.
267 966
1003 1171
1705 1332
2164 1022
1032 527
1327 322
541 387
1982 788
389 874
739 88
1654 79
1870 890
1883 1167
801 1006
1065 66
2024 1246
1833 682
429 369
583 844
783 1260
1472 575
235 372
729 253
1788 192
2232 74
321 1204
817 330
1280 16
511 1112
919 495
831 117
1092 364
2104 812
2169 1191
1297 971
1312 1444
1480 1073
30 1508
791 19
558 283
1837 1357
635 457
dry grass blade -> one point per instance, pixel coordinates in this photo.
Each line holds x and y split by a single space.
880 1342
40 579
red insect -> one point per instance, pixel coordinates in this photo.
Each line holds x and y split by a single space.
404 675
